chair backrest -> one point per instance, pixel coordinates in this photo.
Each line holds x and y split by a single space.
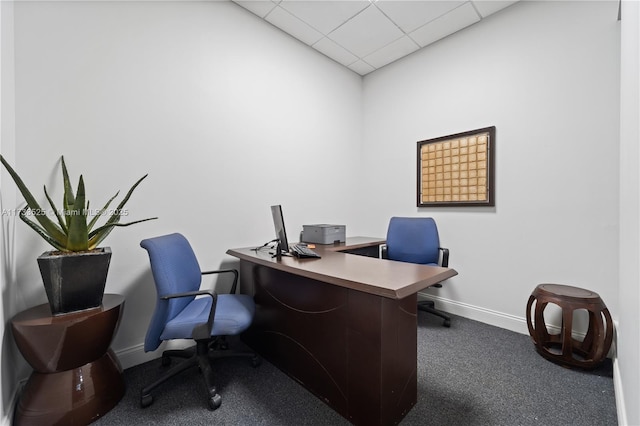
413 239
175 269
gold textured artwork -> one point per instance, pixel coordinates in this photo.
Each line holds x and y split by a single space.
457 169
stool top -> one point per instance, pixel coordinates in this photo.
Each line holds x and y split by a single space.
568 291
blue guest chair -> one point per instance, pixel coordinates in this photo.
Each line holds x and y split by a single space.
415 240
183 311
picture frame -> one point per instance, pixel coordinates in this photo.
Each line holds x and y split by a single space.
457 169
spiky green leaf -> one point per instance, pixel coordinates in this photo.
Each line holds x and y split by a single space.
100 233
101 212
77 238
115 216
61 220
47 224
68 197
59 245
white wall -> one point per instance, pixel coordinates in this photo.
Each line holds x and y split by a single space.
546 74
12 366
628 348
220 109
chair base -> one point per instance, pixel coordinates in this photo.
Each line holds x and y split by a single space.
201 356
430 307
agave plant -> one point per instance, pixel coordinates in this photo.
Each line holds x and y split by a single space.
74 231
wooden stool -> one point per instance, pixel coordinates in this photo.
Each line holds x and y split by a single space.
563 348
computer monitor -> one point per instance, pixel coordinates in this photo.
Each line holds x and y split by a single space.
281 233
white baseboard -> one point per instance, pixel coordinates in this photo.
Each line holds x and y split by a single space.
135 355
498 319
617 386
487 316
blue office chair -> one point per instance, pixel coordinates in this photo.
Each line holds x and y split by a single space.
180 314
415 240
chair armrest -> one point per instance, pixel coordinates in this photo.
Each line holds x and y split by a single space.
200 331
445 257
383 251
222 271
188 294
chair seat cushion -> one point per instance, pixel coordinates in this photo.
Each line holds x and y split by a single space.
234 313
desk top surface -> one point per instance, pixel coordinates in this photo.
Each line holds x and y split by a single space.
382 277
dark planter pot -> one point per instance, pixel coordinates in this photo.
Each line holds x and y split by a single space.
74 281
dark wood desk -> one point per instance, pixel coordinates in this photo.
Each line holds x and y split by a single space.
76 377
344 326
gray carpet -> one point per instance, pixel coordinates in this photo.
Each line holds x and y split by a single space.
469 374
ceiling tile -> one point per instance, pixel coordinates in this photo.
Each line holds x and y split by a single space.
335 51
447 24
411 14
391 52
292 25
361 67
365 35
488 7
325 16
257 7
366 32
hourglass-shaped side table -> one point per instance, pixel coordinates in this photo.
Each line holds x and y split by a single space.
76 377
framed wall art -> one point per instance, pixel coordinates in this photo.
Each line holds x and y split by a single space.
457 170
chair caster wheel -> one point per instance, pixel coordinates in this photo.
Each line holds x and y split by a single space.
214 402
256 361
146 400
447 323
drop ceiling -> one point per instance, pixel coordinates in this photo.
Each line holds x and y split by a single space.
365 35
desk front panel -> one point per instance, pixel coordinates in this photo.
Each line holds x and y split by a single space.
354 350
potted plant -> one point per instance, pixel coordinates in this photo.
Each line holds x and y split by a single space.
75 273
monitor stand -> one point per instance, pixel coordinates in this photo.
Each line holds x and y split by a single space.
279 253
